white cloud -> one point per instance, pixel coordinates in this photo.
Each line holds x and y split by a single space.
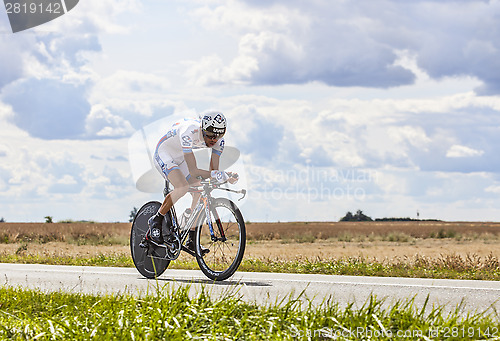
3 150
236 17
12 65
45 77
414 136
463 151
131 100
416 133
101 123
280 134
47 108
354 43
495 189
94 16
344 110
135 91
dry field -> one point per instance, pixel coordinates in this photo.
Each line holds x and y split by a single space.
277 241
373 240
326 230
64 232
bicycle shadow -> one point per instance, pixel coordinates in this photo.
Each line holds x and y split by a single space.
217 283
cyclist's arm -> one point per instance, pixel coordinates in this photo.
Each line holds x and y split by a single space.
214 161
193 168
217 150
214 165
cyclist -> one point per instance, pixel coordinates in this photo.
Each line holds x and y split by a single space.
176 162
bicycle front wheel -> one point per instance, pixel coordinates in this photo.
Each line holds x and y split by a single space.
226 245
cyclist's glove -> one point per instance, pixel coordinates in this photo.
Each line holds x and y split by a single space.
219 176
233 177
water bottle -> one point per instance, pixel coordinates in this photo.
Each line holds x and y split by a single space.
184 218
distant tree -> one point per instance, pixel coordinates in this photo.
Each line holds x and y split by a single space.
359 216
133 213
348 217
48 219
396 219
2 220
404 219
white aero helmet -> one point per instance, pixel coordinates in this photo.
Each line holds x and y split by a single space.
213 123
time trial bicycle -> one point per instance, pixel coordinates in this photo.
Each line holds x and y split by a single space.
220 235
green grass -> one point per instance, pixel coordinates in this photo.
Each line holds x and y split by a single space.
444 267
450 267
118 260
174 314
70 239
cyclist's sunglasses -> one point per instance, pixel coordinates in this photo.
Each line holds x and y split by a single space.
212 136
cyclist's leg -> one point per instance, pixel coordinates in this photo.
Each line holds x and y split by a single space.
195 196
181 186
171 171
176 172
192 181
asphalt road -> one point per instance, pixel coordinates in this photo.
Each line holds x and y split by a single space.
263 288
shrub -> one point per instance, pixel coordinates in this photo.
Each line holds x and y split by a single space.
359 216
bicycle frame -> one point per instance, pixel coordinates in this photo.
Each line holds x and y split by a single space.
205 189
208 219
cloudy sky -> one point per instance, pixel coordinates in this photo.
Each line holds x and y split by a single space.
391 107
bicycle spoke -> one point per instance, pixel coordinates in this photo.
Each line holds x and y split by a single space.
227 246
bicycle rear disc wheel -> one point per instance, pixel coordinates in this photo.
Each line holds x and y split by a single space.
227 246
149 261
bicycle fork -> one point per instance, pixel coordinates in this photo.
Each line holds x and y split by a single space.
222 237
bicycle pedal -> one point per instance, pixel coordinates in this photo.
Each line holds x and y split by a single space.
144 242
192 253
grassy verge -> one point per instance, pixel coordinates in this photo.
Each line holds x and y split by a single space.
173 314
451 267
118 260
